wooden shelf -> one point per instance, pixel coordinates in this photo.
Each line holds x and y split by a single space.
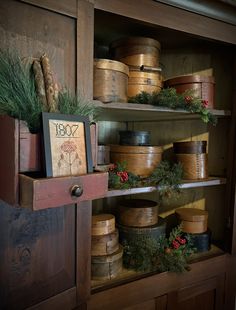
145 112
127 275
211 181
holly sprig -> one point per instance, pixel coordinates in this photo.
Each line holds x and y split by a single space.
163 254
168 97
166 176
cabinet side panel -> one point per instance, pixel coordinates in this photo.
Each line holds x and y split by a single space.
9 135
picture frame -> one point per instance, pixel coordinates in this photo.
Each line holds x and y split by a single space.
67 144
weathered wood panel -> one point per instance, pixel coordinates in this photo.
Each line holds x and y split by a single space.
37 257
32 31
170 17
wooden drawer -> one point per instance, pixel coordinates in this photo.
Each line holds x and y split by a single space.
38 194
21 152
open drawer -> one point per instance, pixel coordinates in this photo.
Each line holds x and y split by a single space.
44 193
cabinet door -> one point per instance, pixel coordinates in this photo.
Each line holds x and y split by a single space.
37 255
205 295
159 303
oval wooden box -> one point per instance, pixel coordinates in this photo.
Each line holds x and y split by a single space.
140 160
105 244
107 267
103 224
138 212
148 81
204 86
132 137
131 234
136 51
192 155
193 221
103 155
110 81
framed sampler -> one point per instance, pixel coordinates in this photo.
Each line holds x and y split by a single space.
67 144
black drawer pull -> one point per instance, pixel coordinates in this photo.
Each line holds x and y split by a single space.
76 191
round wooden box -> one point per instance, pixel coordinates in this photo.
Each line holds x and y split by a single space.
110 81
147 80
107 267
103 224
140 160
131 234
138 213
136 51
193 221
192 155
204 86
103 155
105 244
202 242
133 137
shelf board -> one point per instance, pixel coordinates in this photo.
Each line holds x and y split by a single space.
127 275
116 111
211 181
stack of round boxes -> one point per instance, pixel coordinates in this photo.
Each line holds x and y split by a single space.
194 222
194 159
141 55
134 68
105 248
138 218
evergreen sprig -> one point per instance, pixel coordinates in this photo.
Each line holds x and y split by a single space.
168 97
76 105
18 97
166 176
163 254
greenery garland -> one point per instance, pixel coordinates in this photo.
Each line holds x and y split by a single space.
166 176
165 254
18 97
171 99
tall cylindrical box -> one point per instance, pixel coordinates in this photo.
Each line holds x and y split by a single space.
110 81
193 157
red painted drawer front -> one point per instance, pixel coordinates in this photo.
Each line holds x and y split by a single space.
38 194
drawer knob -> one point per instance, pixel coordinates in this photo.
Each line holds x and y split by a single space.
76 191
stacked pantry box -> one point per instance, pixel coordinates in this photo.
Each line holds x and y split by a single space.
134 68
138 219
105 248
141 55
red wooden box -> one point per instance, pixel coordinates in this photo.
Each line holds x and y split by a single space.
20 153
204 86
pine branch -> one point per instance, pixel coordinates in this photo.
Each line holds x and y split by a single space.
168 97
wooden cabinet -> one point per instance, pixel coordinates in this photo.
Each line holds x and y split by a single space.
45 255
